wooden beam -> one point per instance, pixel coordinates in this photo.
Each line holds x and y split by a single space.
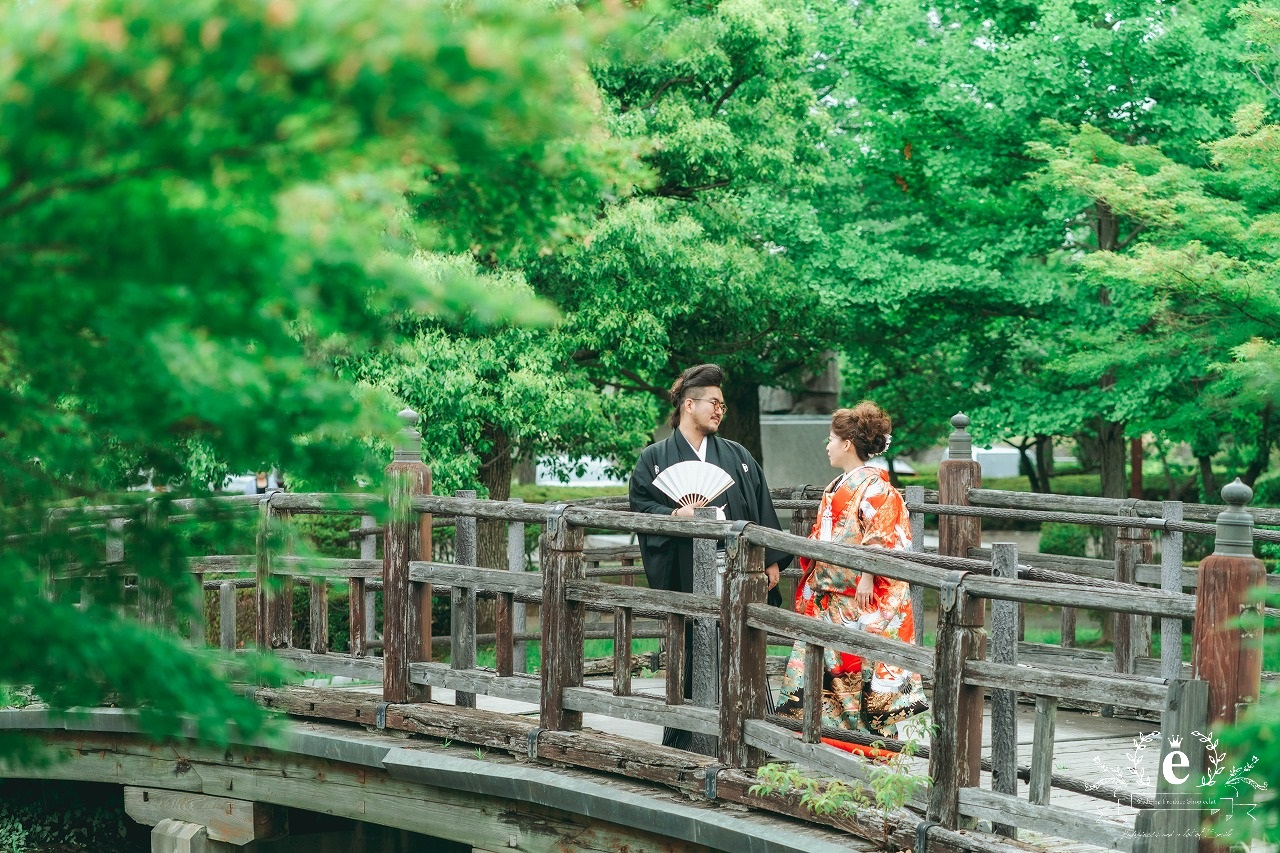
233 821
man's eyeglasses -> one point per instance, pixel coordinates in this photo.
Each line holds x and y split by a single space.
717 405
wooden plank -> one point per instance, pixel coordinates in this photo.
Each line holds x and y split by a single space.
1003 649
329 504
1126 691
333 568
643 709
358 615
1171 580
369 551
676 662
515 567
622 626
476 577
1150 603
705 664
504 639
562 625
955 756
318 601
818 756
462 651
744 689
915 495
814 665
1171 827
1041 782
1051 820
227 616
264 594
656 600
231 821
362 669
839 638
402 641
477 681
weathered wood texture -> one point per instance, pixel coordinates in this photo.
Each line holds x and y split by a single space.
1049 820
1228 658
517 615
676 769
462 651
1170 827
1126 691
955 760
562 625
958 533
796 627
705 664
233 821
1003 649
402 633
743 689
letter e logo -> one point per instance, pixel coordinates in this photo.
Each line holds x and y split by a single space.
1174 761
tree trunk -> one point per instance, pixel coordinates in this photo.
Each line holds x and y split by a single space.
1208 485
496 467
742 422
1044 462
1025 466
1111 447
1262 449
1135 468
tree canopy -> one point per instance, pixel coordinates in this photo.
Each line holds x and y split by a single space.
202 203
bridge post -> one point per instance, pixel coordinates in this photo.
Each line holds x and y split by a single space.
562 620
956 475
406 609
1225 652
462 601
706 653
744 691
955 757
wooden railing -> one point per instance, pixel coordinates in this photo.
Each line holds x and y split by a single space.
730 713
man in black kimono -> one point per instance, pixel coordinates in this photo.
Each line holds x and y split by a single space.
699 408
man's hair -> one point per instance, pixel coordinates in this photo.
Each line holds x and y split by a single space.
701 376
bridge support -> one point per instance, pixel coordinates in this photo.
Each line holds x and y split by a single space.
187 822
176 836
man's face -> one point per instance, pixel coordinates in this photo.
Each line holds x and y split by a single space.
705 407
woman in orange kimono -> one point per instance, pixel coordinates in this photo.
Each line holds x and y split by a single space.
858 508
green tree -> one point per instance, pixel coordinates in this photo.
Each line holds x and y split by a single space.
690 269
491 395
202 203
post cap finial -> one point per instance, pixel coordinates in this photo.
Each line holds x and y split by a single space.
408 443
1235 523
1237 493
960 444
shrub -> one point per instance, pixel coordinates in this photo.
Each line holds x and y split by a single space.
1070 540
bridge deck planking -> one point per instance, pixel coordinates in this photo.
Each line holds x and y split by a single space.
1082 742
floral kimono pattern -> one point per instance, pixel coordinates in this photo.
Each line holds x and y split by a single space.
872 697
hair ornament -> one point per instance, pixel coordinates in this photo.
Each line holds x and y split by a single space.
888 440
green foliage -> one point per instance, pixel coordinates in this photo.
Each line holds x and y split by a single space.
204 204
1252 746
64 816
1072 540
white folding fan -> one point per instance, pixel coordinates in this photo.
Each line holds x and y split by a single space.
693 483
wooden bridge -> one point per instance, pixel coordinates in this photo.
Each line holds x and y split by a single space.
1034 746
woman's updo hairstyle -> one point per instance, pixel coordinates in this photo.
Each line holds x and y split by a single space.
700 376
866 425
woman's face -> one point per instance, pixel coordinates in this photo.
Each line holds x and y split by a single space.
840 452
